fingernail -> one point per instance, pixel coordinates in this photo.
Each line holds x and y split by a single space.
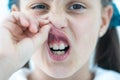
33 28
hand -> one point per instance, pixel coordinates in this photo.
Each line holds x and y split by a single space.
20 36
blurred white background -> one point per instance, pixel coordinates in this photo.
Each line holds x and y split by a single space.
4 10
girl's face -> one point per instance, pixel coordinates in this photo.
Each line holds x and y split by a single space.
76 26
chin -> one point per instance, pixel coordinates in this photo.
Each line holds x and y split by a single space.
60 72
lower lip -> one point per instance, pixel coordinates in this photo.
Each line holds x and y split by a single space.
58 57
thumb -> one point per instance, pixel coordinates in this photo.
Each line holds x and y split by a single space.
41 36
27 47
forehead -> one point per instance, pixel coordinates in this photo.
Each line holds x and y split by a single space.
92 1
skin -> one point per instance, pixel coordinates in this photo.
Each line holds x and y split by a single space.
82 35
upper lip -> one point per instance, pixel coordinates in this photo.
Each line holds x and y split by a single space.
57 35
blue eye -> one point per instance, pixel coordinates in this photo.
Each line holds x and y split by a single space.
40 6
76 6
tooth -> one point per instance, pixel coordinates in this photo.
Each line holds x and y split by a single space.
55 47
62 52
55 52
62 46
59 52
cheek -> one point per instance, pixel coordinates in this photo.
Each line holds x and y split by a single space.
84 37
85 33
86 27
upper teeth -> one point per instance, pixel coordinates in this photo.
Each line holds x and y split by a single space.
61 46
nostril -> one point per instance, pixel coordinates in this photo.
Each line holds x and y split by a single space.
62 27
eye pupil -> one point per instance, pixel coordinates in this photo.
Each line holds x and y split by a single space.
40 6
77 6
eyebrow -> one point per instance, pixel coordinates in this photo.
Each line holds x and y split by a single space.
66 0
48 0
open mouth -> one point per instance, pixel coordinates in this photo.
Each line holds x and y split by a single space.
58 46
58 49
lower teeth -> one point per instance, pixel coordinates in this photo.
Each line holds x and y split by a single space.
58 52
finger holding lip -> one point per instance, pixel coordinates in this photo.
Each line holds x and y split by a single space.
43 22
35 24
41 36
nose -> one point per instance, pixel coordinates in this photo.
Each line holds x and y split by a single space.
58 19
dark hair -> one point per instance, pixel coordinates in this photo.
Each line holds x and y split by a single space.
108 47
11 2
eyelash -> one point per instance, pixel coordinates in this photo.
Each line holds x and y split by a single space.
76 6
40 6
